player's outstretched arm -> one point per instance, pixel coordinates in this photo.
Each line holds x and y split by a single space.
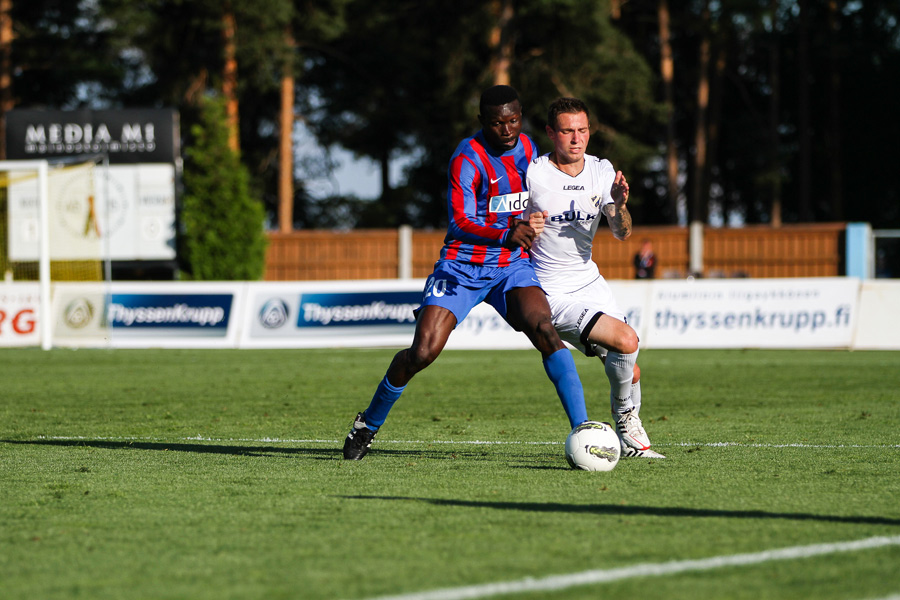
617 214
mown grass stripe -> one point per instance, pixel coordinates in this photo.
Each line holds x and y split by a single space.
559 582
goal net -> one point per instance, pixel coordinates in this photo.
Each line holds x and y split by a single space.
53 228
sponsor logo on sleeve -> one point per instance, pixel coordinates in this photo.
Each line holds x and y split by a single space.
509 203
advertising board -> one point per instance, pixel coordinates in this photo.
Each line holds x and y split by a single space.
752 313
136 135
19 310
735 313
312 314
878 325
142 315
124 211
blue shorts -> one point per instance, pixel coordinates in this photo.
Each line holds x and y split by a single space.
459 287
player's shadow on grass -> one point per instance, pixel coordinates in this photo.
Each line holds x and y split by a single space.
652 511
267 451
323 453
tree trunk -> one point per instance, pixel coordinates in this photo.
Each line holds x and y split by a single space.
229 76
834 115
286 141
196 87
615 9
699 199
774 121
715 122
667 70
6 95
805 173
501 41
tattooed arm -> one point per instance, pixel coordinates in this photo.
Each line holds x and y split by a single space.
617 214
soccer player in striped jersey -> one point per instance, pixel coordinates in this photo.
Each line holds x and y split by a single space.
484 259
570 191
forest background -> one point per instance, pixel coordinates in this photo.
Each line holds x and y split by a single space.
723 112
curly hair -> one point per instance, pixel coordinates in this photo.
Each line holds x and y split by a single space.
497 95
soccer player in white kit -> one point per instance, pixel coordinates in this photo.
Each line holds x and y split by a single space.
569 192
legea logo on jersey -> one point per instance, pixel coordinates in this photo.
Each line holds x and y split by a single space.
509 203
274 313
357 309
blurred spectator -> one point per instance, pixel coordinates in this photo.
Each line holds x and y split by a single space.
645 261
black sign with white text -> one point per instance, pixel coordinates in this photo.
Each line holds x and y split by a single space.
127 135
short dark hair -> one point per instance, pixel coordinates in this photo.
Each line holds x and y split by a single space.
497 95
565 105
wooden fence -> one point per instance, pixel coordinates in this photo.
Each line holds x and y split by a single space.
815 250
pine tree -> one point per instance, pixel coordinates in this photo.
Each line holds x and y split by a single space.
223 236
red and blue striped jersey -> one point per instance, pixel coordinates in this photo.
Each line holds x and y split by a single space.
477 173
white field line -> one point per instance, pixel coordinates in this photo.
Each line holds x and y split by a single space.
559 582
200 438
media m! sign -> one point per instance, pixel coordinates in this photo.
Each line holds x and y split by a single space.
127 136
123 212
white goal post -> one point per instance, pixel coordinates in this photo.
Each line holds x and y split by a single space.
55 227
41 168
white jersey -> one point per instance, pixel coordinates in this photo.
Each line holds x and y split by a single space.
561 255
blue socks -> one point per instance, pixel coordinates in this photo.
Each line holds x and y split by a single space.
560 367
382 401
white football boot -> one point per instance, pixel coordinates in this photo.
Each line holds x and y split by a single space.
635 442
629 452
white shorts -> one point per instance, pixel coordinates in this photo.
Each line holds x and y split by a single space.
575 313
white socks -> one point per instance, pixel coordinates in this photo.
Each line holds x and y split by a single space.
636 396
620 371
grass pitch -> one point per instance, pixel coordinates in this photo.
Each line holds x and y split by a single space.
217 474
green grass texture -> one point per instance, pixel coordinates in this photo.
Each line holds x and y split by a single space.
217 474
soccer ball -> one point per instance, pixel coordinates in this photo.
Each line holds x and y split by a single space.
593 446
